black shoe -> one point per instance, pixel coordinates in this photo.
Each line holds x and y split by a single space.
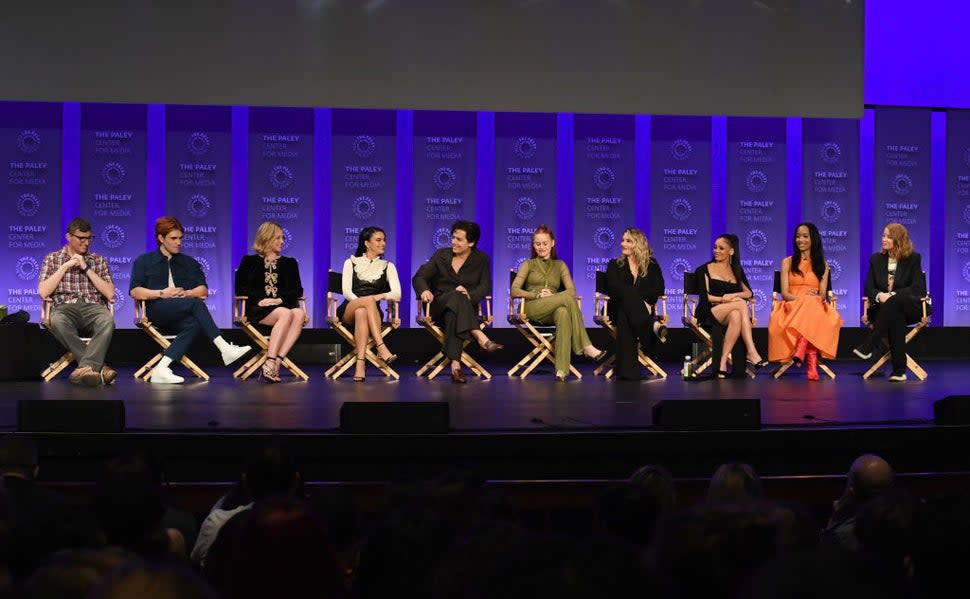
864 351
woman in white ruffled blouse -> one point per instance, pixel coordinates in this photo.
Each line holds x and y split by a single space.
367 279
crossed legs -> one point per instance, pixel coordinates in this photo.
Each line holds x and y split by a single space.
733 315
364 314
287 325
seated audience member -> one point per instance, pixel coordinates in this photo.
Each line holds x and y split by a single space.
174 287
79 285
154 580
455 280
734 481
868 476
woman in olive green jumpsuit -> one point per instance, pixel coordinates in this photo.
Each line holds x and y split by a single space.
550 298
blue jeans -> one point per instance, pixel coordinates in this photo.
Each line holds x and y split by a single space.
184 316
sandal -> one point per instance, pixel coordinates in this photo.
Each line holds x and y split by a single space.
271 370
389 359
722 374
359 379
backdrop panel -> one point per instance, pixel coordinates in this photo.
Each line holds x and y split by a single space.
198 166
756 201
363 167
525 193
443 182
603 203
902 177
281 183
957 244
113 176
30 151
830 187
680 198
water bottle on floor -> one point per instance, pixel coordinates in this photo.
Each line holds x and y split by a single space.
688 370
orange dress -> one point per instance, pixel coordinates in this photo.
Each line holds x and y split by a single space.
805 316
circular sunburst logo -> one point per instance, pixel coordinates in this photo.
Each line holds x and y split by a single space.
756 181
198 143
441 238
28 205
204 263
28 141
756 240
198 205
112 236
364 146
830 211
678 266
604 238
680 209
444 178
830 153
835 270
902 184
281 177
27 268
525 147
604 178
966 214
364 207
113 174
966 272
525 208
681 149
760 299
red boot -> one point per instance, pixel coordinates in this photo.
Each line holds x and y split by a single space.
799 356
812 361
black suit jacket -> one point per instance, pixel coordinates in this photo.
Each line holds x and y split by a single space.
649 287
909 280
437 276
250 280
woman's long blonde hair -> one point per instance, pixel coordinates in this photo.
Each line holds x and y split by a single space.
264 235
642 252
902 244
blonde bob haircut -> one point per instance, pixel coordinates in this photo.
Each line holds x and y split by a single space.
264 235
902 244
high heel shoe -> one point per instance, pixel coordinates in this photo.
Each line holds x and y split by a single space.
758 365
598 357
458 377
561 377
722 374
389 359
359 379
271 370
661 333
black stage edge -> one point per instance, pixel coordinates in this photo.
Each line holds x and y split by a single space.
510 429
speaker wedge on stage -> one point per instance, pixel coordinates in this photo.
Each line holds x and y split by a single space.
952 409
377 417
71 415
707 414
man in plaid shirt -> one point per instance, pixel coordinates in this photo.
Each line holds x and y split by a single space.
80 288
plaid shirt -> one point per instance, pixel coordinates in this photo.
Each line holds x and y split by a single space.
75 286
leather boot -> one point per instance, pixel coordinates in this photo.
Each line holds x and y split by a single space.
799 355
812 362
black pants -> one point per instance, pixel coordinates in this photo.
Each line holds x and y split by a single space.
634 323
890 319
458 315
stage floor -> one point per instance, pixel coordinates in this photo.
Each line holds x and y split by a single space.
521 428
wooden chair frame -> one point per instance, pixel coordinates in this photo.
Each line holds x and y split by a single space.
705 358
392 321
776 299
602 318
439 361
541 337
164 341
914 330
262 341
58 366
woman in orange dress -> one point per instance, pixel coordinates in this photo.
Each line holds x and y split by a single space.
804 324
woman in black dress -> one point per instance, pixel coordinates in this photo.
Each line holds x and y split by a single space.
367 279
272 283
723 300
634 282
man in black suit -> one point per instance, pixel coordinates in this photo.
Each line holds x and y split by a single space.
895 286
454 280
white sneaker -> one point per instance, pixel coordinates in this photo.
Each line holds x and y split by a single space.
898 378
234 352
164 374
